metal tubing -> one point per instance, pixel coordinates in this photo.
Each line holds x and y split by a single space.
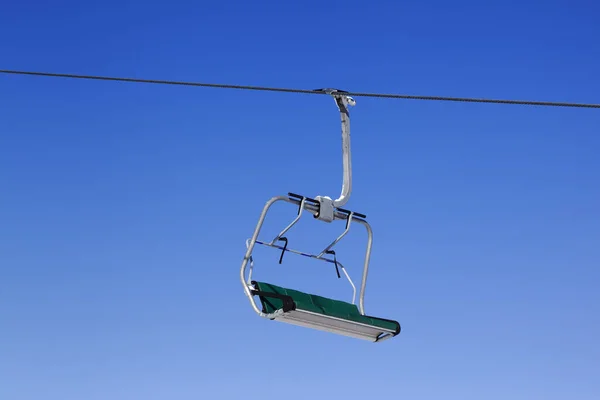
251 263
339 237
342 102
311 208
248 255
349 280
287 228
363 285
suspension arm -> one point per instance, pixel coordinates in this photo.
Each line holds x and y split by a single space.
327 205
342 103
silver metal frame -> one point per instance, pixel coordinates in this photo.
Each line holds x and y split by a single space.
246 282
327 210
336 325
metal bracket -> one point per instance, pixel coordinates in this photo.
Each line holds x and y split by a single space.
326 209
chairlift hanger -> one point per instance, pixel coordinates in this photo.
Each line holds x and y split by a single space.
309 310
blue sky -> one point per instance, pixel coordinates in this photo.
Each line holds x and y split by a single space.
124 207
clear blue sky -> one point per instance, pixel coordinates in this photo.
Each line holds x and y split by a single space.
124 207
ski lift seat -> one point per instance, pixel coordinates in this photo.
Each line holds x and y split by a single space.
322 313
309 310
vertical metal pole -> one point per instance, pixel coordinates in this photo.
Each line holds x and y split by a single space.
342 102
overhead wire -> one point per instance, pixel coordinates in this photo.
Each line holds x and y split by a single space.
304 91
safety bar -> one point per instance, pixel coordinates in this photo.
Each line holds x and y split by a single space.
329 260
283 248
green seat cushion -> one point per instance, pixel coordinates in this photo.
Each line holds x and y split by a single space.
320 305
